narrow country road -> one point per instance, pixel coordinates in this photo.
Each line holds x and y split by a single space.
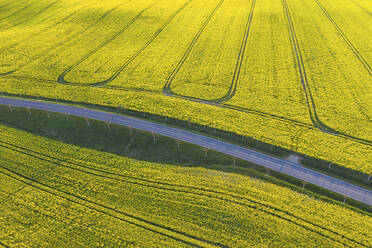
272 163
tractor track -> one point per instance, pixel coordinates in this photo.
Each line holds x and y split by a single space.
133 57
297 123
234 82
343 36
65 8
62 43
226 106
36 14
223 105
4 5
239 63
309 98
198 191
46 29
362 8
166 89
16 12
109 211
302 71
61 77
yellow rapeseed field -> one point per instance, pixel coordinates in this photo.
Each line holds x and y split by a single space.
293 73
54 194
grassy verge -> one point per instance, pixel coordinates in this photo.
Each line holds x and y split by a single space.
54 194
334 170
144 146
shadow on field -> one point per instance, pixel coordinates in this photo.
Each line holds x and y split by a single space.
145 146
111 138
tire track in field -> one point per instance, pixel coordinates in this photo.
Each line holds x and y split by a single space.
239 63
61 78
166 89
353 48
236 199
226 106
204 195
303 76
309 98
223 105
16 12
297 123
37 13
160 229
4 5
362 8
62 43
46 29
67 7
232 89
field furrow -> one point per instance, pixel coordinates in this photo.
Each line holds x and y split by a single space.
365 6
18 9
18 36
21 56
268 80
104 63
364 36
333 73
207 73
100 33
29 14
166 49
196 191
105 210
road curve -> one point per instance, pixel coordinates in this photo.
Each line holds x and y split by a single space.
289 168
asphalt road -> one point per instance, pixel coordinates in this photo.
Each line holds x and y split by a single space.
272 163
